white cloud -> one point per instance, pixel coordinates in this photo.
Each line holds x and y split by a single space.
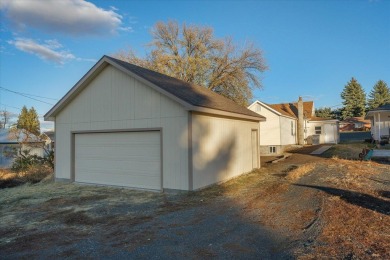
46 125
126 29
73 17
47 51
53 44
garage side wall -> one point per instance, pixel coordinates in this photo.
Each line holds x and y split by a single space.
221 148
115 101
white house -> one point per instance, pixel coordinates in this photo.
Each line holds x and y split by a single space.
284 128
128 126
12 141
380 122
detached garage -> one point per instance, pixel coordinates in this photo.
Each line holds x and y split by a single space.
128 126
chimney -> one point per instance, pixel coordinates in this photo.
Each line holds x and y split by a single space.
301 130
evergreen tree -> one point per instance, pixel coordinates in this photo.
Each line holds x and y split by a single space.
337 114
379 95
325 112
354 99
28 120
33 121
22 119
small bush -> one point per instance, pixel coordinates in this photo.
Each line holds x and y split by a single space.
25 160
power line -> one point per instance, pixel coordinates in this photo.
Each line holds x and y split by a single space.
18 108
17 92
27 96
10 106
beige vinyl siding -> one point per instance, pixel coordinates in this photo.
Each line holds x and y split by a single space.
114 100
222 148
287 137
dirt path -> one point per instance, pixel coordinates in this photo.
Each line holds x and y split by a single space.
284 210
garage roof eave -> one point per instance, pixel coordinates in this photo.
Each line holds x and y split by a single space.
226 113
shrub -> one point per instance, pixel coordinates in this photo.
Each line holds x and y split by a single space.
25 160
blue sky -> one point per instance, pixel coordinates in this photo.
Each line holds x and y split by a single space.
312 48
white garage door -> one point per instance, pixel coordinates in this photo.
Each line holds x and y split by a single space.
124 158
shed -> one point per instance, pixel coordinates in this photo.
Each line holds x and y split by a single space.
129 126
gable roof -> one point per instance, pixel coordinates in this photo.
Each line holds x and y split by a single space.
291 109
269 108
192 97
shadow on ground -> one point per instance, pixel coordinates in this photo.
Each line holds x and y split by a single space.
356 198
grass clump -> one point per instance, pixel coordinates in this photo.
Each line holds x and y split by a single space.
32 174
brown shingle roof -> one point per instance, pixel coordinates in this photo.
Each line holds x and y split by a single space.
190 93
291 109
353 120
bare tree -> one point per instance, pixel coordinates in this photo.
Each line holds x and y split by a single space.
193 54
5 118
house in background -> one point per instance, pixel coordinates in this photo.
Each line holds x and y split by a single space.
380 122
129 126
11 141
49 140
290 124
355 124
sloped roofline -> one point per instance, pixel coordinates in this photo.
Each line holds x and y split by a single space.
270 108
384 108
6 137
104 62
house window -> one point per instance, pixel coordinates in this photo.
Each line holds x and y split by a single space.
258 108
318 130
272 149
292 128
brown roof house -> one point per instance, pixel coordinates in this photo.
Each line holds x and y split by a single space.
291 124
129 126
355 124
